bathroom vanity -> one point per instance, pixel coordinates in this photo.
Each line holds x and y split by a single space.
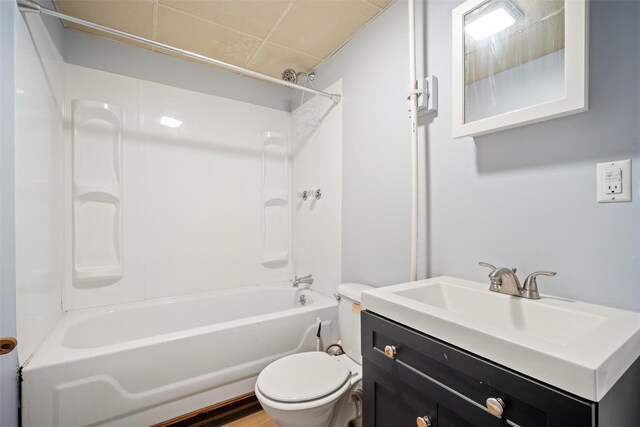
432 361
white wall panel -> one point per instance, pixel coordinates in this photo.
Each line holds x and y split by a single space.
191 193
317 224
39 103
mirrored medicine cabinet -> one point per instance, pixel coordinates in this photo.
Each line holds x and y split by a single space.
517 62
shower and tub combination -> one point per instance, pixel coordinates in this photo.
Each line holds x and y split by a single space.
180 237
141 363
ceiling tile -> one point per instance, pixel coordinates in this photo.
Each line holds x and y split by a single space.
319 27
231 30
187 32
381 3
255 17
132 16
273 59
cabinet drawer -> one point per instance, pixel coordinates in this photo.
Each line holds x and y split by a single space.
391 403
462 382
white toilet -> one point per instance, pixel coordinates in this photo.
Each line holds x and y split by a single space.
314 389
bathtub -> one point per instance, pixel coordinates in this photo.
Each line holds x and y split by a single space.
143 363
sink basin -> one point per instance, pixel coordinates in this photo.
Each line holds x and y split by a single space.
544 321
578 347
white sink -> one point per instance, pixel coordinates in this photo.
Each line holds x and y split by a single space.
578 347
552 323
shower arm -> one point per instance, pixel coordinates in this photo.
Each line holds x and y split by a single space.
28 6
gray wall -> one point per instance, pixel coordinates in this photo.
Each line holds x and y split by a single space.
376 198
54 27
8 362
523 197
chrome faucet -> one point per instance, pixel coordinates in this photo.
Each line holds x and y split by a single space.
505 281
307 280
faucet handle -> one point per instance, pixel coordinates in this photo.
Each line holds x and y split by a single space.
530 288
495 283
487 265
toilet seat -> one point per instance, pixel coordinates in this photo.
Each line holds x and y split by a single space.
303 377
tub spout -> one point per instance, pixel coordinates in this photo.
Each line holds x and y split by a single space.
307 280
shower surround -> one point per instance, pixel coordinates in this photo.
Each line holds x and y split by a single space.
191 190
153 202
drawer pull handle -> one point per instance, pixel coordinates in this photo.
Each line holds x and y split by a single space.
390 351
423 422
495 405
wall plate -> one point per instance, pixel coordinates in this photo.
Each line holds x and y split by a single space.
610 189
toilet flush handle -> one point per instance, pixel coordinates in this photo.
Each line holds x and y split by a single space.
7 344
423 421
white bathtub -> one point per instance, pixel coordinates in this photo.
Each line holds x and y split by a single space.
143 363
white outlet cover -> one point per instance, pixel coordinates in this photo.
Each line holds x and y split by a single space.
601 169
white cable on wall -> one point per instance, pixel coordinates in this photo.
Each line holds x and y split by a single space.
413 97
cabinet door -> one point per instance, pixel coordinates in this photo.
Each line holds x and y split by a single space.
390 403
447 418
462 382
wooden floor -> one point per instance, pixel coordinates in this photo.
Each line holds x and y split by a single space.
244 411
257 419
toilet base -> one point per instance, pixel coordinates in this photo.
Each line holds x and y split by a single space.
337 410
347 413
317 417
341 413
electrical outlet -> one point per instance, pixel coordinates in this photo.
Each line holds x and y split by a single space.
614 181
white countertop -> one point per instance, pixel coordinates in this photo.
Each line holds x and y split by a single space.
577 347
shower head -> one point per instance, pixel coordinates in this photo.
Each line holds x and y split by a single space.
290 75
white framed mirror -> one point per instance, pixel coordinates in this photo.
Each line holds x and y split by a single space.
517 62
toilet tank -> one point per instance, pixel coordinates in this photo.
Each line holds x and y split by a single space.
349 318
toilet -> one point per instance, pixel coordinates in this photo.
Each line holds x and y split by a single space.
315 389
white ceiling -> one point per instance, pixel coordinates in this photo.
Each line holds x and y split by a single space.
263 35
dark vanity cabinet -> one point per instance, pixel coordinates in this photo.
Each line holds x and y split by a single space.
422 377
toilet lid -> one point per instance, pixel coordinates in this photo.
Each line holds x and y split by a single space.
302 377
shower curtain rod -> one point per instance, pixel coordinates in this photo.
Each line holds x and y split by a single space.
30 6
